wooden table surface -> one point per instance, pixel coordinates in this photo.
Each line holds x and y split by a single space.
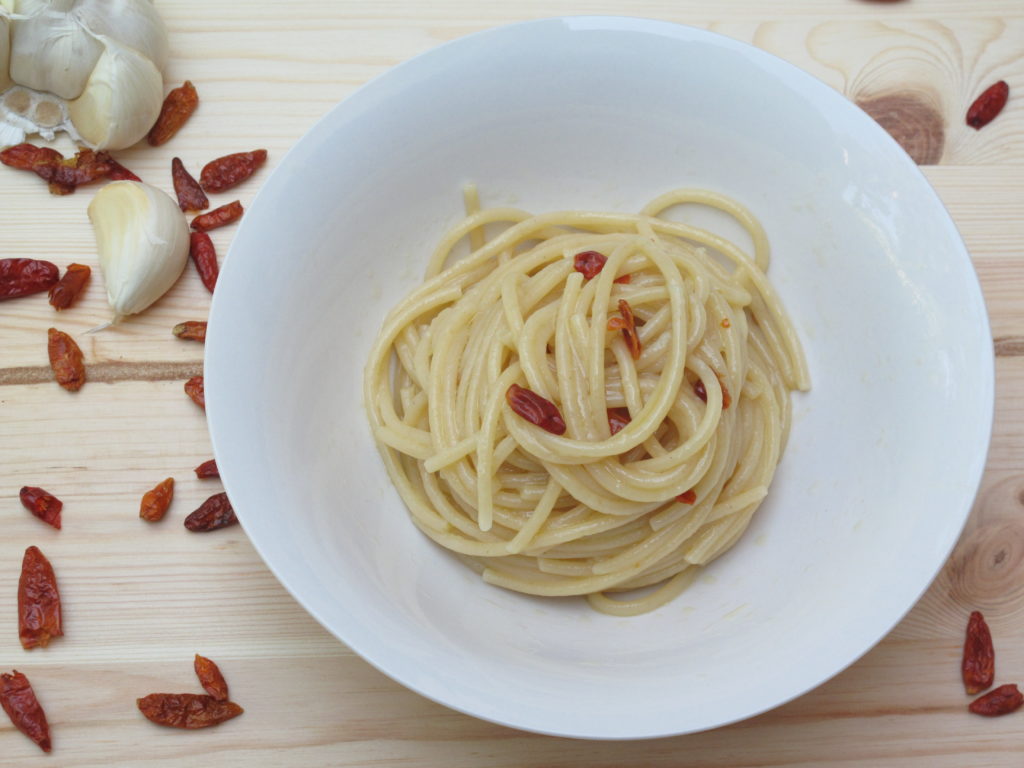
141 599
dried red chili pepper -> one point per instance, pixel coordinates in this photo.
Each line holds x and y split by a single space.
43 505
618 418
218 217
978 666
204 256
225 172
190 195
156 501
535 409
64 293
700 390
725 322
987 106
194 388
191 330
590 264
177 108
627 324
216 512
38 601
65 174
85 167
207 469
702 393
210 678
65 360
187 710
21 705
42 161
23 277
27 156
1000 701
626 279
119 173
687 497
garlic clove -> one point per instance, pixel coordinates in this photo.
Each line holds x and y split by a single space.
121 101
142 238
50 51
134 23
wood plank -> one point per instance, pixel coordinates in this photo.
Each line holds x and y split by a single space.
339 712
987 206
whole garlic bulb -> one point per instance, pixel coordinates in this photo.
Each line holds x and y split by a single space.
89 67
142 239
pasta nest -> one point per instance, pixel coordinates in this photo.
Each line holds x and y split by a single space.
669 446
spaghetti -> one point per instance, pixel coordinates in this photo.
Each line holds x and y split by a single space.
670 439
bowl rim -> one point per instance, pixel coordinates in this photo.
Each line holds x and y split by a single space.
613 23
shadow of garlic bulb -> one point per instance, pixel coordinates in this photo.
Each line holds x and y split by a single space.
91 68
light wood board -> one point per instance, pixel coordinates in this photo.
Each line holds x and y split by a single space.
142 599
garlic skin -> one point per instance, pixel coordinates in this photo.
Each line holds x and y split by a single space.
130 22
121 101
97 61
52 52
30 7
142 238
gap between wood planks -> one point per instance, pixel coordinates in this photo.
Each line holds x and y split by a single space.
1005 346
112 372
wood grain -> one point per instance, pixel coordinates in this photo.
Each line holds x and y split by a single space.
142 598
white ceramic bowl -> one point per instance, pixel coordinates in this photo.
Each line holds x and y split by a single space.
886 451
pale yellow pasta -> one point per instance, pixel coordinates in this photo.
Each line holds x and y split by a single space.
587 512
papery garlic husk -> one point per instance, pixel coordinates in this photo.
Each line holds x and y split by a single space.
134 23
121 101
142 238
30 7
10 135
52 52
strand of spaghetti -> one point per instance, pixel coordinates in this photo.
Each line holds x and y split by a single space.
537 519
393 325
471 202
450 455
635 606
711 199
485 448
472 223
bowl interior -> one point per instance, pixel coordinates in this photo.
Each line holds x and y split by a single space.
885 453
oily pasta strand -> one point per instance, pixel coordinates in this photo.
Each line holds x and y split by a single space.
592 511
